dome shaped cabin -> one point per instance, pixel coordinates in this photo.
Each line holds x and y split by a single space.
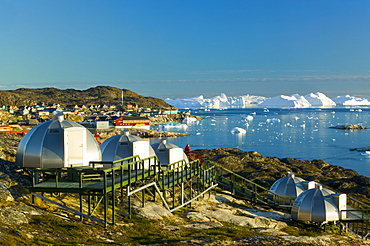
57 143
290 186
168 153
122 146
319 205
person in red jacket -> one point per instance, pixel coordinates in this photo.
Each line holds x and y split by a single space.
187 149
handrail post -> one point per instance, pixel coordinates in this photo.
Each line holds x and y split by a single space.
56 178
34 178
105 199
113 196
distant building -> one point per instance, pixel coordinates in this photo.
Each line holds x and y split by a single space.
125 121
171 112
131 121
43 112
102 124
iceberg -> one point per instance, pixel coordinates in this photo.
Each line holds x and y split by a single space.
348 100
319 99
194 102
222 101
218 102
282 101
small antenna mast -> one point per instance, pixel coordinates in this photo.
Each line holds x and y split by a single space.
122 98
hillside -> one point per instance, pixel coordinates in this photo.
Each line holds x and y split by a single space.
100 95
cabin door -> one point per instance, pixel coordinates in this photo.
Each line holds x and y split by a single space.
75 145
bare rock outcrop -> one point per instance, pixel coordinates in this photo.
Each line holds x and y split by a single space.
350 127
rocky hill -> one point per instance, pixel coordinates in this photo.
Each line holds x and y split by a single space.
100 95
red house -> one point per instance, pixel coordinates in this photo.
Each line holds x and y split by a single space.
131 121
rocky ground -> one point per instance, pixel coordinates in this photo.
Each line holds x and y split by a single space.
219 213
350 127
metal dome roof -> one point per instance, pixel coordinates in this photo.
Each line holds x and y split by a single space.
318 205
125 145
289 186
168 153
57 143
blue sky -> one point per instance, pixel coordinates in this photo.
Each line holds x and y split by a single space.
178 49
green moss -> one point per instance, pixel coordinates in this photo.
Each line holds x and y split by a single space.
226 232
301 229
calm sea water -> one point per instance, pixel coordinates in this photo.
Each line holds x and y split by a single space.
304 134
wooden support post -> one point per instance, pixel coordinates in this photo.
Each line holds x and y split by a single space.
81 210
105 196
154 194
173 189
89 203
113 198
164 197
121 177
129 201
182 193
191 191
143 197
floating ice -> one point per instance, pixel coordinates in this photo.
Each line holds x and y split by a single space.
175 125
249 118
238 130
273 120
189 120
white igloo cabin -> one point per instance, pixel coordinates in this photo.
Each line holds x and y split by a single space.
122 146
57 143
168 153
290 186
319 205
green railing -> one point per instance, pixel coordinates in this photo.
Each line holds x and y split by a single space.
111 174
130 176
249 189
356 218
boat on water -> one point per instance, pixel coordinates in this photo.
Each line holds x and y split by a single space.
366 153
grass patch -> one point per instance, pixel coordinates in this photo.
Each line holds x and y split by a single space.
226 232
302 229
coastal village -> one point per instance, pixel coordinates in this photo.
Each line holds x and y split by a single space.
18 119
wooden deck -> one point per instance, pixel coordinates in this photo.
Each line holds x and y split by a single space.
101 183
355 215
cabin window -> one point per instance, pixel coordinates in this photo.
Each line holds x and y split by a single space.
54 131
124 143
